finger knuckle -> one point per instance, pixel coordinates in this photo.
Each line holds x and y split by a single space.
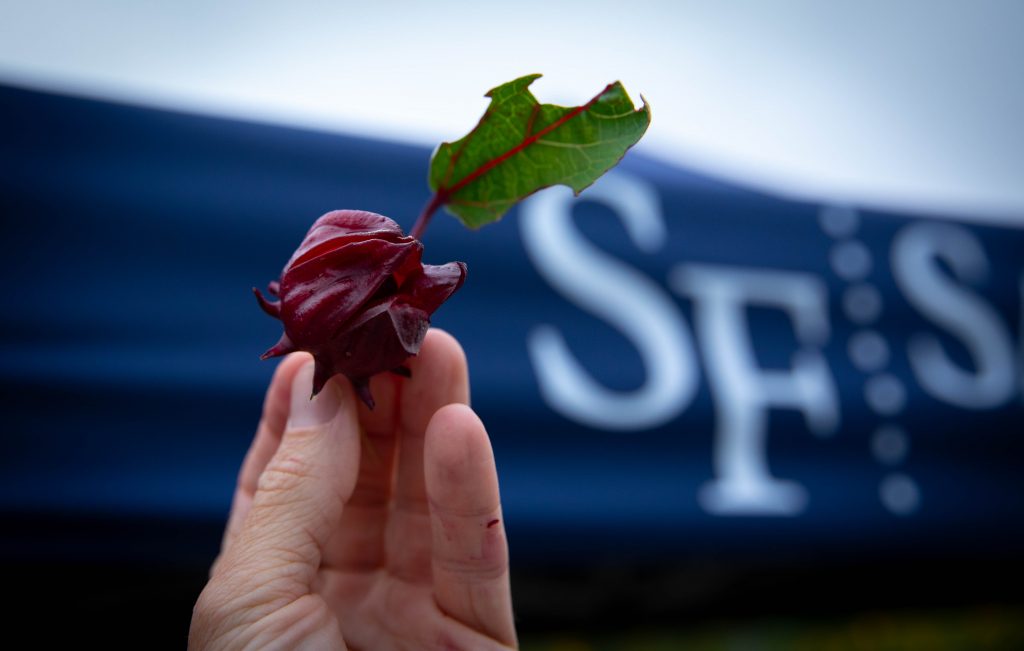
474 570
283 475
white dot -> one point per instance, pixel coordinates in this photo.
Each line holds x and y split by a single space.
900 494
885 394
890 444
838 221
851 260
868 351
862 303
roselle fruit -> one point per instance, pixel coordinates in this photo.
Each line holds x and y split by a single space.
355 293
357 297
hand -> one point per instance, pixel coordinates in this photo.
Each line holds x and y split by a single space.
373 529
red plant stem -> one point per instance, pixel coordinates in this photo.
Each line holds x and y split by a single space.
443 194
439 199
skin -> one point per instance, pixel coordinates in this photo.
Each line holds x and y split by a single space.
364 530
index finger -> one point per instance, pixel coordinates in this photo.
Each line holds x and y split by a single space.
439 378
387 519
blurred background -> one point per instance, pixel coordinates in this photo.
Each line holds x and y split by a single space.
760 387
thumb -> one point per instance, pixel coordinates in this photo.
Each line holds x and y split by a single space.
301 493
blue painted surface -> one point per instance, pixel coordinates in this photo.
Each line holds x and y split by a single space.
130 384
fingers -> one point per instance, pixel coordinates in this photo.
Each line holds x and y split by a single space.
357 545
439 378
470 553
300 494
268 436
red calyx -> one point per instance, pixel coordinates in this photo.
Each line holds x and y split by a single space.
356 296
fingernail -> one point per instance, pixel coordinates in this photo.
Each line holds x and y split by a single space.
309 412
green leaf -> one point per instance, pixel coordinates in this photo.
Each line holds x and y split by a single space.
520 146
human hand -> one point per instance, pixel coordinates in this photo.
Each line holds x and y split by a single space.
387 539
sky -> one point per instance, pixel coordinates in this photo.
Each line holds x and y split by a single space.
914 105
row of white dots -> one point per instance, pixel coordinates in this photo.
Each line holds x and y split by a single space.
869 352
